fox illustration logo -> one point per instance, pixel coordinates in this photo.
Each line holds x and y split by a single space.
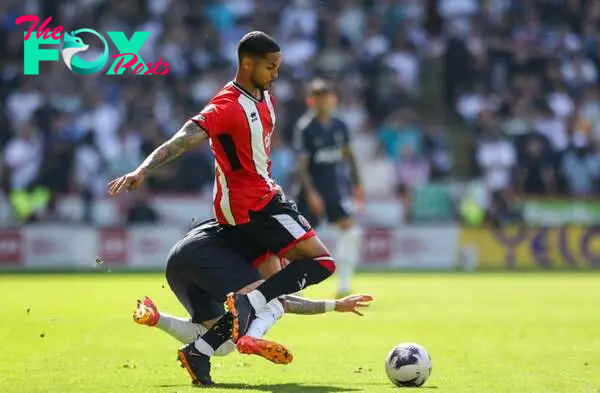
73 45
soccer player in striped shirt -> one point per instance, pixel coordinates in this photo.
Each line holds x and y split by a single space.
238 123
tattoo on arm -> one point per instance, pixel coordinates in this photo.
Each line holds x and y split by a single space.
299 305
188 136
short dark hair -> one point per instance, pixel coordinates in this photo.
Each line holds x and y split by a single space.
257 43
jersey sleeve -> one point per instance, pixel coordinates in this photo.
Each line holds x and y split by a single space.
214 118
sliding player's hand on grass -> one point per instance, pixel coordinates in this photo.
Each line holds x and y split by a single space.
353 303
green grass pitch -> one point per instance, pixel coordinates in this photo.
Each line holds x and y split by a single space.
497 332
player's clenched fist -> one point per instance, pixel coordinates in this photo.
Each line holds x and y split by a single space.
130 181
352 303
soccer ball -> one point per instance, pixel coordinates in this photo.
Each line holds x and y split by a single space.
408 365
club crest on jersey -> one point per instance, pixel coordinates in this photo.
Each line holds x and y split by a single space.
303 221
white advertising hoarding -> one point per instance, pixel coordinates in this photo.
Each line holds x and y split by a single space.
63 246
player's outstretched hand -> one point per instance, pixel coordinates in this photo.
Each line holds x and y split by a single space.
352 303
130 181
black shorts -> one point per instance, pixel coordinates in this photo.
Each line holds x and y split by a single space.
274 229
204 266
336 209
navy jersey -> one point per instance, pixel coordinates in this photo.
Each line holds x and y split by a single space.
323 144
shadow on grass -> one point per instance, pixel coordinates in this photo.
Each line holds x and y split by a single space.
275 388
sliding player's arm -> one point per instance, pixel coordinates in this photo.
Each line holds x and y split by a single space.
299 305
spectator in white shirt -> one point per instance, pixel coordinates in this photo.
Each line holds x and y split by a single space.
497 158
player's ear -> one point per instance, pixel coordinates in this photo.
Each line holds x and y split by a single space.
310 101
247 63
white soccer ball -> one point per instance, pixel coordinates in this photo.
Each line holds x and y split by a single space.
408 365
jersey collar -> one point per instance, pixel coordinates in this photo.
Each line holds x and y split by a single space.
247 93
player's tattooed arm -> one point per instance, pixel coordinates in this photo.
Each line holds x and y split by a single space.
188 136
298 305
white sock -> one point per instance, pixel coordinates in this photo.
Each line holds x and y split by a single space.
186 331
226 348
203 347
181 329
348 255
257 300
265 319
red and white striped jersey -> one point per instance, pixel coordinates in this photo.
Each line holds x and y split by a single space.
239 127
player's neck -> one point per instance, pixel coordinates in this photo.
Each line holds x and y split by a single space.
323 117
248 86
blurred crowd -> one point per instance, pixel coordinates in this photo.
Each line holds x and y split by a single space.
521 75
524 81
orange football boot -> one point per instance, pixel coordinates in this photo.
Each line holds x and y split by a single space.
269 350
146 312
